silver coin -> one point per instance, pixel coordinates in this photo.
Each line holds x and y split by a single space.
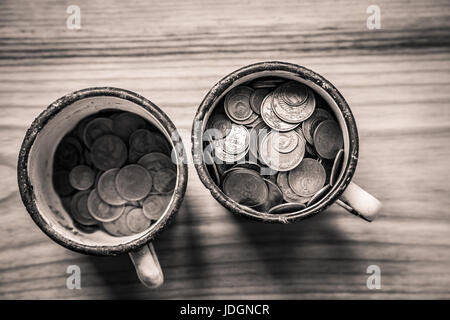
237 103
271 119
288 194
293 114
294 93
223 156
281 161
307 178
285 142
237 141
318 115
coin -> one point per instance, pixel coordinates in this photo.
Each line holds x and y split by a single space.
155 161
318 195
245 187
256 98
126 123
307 178
220 126
81 177
285 142
155 205
294 93
274 198
79 209
271 119
96 128
165 180
328 139
237 103
280 161
137 221
133 182
293 114
100 210
288 194
290 207
337 167
106 188
222 156
237 141
317 116
143 141
61 183
119 226
108 152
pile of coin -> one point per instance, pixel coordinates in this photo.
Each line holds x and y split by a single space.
274 145
114 171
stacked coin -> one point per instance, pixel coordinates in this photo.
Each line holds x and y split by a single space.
274 145
114 171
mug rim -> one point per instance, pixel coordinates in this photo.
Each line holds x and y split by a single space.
26 189
224 84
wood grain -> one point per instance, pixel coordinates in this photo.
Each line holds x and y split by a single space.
395 79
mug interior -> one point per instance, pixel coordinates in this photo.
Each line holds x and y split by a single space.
317 90
40 169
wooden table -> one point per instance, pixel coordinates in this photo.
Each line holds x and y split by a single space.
396 80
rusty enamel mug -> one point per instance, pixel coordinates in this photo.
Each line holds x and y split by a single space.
35 171
344 192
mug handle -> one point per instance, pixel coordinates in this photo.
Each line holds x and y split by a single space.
359 202
147 266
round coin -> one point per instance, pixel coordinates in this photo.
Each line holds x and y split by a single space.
237 103
337 167
137 221
256 99
124 124
285 142
119 227
293 114
220 126
317 116
165 180
96 128
155 205
106 188
79 209
294 93
133 182
281 161
288 194
100 210
156 161
143 141
237 141
290 207
108 152
81 177
225 157
271 119
307 178
328 139
245 187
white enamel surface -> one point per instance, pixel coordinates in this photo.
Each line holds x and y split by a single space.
40 166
